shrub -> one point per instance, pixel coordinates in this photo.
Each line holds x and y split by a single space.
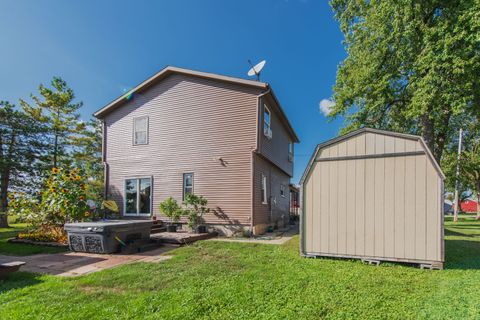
170 208
195 208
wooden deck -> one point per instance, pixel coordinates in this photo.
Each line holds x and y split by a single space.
180 237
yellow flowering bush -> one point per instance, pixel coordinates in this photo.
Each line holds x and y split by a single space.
45 233
62 199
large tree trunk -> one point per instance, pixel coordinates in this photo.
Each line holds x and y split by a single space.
55 151
442 136
428 133
4 176
3 190
3 220
55 148
5 181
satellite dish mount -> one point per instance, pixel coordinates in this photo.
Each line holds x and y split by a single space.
256 69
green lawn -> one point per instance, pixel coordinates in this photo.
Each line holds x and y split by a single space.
20 249
218 280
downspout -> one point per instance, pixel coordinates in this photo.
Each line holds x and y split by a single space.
259 97
104 161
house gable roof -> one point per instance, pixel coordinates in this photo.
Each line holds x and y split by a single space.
165 72
376 131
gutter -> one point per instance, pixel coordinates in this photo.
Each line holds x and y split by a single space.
259 97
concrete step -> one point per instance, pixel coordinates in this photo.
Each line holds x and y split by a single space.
156 228
139 246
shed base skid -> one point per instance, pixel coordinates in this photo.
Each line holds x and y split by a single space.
371 262
423 264
433 266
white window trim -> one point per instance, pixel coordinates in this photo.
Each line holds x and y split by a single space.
291 152
138 197
134 130
282 187
264 189
183 184
267 133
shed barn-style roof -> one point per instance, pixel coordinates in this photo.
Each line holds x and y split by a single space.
375 131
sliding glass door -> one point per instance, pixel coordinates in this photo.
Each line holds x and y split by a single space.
138 197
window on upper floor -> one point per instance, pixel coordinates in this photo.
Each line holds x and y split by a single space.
140 130
282 190
290 151
267 129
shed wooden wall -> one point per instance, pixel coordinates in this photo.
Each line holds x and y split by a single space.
384 207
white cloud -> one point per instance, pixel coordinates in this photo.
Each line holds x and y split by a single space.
326 106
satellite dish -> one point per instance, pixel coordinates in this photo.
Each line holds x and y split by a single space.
256 69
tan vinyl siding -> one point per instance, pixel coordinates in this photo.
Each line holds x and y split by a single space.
276 211
193 123
276 148
383 206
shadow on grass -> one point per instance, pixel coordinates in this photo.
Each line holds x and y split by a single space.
18 280
469 223
462 254
449 232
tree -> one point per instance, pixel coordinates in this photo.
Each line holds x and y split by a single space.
59 114
468 177
412 66
195 206
87 155
20 144
171 209
470 168
449 168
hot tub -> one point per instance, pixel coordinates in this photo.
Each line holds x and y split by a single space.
106 236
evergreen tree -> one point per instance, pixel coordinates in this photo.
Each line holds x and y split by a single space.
87 156
55 109
20 144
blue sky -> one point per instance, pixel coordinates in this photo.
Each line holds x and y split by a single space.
102 48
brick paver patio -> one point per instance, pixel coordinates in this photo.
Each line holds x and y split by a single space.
80 263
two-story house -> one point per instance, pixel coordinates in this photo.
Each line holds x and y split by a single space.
184 131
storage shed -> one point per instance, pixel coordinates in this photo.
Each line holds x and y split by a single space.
375 195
